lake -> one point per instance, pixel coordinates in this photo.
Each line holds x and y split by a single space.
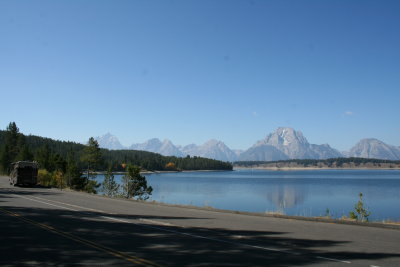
303 193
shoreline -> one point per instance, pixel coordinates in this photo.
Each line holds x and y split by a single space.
160 172
262 168
310 168
395 225
378 224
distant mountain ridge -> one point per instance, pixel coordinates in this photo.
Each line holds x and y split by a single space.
374 148
165 148
286 143
109 141
262 152
211 149
283 144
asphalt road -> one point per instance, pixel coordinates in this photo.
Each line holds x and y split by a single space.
49 227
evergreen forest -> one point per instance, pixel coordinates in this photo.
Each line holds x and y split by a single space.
49 152
69 160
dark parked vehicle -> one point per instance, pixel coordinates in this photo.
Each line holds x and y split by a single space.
24 173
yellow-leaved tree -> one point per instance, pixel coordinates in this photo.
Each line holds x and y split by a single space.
170 166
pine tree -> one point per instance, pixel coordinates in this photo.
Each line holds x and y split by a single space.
72 172
58 163
24 154
135 185
10 148
74 177
12 136
23 150
5 160
43 157
91 155
93 158
110 186
360 213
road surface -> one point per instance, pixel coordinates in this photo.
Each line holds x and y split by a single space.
49 227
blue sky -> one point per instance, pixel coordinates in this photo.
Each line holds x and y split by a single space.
190 71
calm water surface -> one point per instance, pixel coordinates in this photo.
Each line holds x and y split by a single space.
304 193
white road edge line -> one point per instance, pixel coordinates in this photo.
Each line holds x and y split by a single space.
168 230
114 219
71 205
219 240
172 231
330 259
157 222
197 236
45 202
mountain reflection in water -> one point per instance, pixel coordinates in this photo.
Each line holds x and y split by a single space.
286 196
303 193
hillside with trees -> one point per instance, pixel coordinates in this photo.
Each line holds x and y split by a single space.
69 160
48 152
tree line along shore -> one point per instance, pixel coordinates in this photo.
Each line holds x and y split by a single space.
47 152
333 163
67 162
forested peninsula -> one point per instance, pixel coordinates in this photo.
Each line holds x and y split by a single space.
333 163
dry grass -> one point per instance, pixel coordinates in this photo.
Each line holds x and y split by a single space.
390 222
274 213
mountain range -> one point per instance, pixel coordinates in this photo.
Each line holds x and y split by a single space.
284 143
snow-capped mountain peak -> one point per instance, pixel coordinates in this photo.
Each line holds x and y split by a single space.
289 143
109 141
166 148
283 143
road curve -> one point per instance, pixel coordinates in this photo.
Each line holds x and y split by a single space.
50 227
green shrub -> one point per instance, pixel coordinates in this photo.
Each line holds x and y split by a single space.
45 178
